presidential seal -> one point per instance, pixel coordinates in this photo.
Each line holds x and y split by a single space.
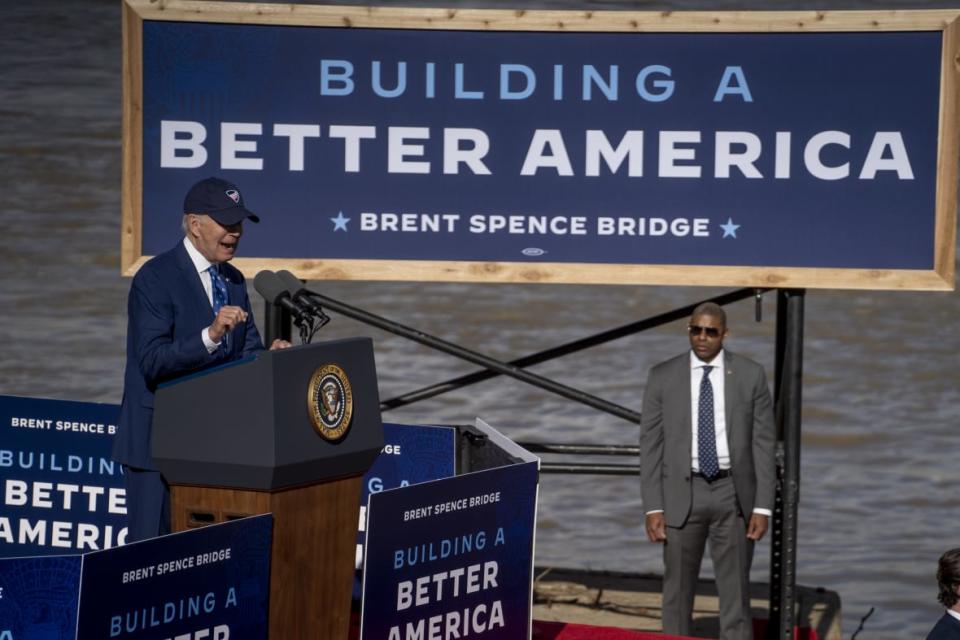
330 402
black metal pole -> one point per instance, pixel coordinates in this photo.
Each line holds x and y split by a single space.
478 358
781 347
776 524
789 387
563 349
581 449
590 469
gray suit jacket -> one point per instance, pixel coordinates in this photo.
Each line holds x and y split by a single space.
666 428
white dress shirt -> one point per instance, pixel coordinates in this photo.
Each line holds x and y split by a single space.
201 264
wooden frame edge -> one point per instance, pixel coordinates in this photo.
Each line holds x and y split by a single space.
614 274
945 235
131 186
545 20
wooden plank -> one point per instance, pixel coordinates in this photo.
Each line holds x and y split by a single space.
542 20
622 274
131 219
615 274
633 601
946 222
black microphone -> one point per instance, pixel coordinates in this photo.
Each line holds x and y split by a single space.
271 288
301 295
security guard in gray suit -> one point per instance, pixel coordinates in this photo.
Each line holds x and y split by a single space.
707 471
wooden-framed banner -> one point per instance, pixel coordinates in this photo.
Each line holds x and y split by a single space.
786 149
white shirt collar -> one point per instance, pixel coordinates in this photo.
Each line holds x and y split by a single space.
955 614
697 363
200 263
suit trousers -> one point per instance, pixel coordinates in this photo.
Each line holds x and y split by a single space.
714 516
148 504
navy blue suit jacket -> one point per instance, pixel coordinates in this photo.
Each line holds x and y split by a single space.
167 311
947 628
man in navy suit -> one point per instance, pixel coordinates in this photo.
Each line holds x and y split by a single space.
948 581
188 310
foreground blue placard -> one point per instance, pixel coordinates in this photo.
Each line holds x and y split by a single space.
751 150
210 583
452 558
38 597
62 493
411 454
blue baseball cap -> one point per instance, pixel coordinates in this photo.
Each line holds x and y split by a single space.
219 199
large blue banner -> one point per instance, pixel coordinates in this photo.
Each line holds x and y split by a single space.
61 491
452 558
742 149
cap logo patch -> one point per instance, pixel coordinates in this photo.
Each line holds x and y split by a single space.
234 195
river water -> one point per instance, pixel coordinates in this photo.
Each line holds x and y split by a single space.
881 414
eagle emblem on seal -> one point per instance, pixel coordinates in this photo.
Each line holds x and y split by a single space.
330 402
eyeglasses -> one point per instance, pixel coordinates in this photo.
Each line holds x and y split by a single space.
695 330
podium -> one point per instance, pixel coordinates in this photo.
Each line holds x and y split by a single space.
289 432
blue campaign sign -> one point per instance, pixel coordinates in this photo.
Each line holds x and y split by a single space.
451 558
760 151
411 454
62 493
212 582
38 597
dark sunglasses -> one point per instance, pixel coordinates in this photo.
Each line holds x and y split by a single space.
695 330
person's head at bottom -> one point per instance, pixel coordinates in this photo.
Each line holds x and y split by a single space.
948 579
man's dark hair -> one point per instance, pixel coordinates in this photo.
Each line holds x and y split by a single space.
948 577
711 309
